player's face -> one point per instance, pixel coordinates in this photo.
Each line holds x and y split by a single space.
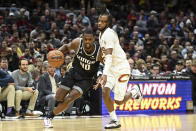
88 41
24 65
103 22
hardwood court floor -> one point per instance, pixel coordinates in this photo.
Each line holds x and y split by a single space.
183 122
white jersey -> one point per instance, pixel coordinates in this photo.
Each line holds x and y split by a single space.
109 39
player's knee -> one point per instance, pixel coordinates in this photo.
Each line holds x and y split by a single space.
69 99
118 102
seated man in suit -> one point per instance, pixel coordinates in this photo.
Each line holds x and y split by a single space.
24 88
7 90
47 87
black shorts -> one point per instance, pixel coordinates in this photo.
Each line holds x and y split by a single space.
73 79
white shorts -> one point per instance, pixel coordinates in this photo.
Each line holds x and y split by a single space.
119 84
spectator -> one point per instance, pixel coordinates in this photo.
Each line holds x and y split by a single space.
118 28
34 53
47 87
140 65
173 60
13 59
7 90
14 38
36 32
35 76
192 74
191 38
64 69
152 25
93 16
186 46
142 24
188 63
191 54
165 64
178 68
44 25
134 72
132 16
165 31
131 49
34 17
176 45
174 28
44 52
85 20
68 59
66 32
54 41
4 48
27 55
155 70
24 88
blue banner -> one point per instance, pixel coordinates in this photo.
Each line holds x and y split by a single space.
167 96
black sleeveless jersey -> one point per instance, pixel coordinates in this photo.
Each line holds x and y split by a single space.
86 64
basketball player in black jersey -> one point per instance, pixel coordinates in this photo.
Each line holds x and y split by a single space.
79 77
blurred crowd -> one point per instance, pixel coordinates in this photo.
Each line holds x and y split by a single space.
165 39
157 42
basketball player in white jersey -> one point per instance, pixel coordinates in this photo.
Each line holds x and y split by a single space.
116 71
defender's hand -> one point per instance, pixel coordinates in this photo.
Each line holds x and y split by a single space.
95 87
103 80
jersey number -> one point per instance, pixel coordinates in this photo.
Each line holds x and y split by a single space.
85 66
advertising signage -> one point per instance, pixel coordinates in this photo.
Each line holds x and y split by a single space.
167 96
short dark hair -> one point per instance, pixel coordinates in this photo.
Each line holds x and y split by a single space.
107 13
64 67
21 60
154 65
3 58
88 31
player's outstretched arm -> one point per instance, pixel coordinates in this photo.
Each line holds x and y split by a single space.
73 45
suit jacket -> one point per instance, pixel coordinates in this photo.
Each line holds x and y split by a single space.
5 78
45 85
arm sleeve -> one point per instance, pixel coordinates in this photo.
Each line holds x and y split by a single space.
2 74
109 40
4 81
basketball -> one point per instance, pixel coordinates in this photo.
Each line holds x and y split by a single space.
55 58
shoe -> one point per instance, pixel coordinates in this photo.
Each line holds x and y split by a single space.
31 115
113 124
18 114
11 114
136 93
138 96
48 123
